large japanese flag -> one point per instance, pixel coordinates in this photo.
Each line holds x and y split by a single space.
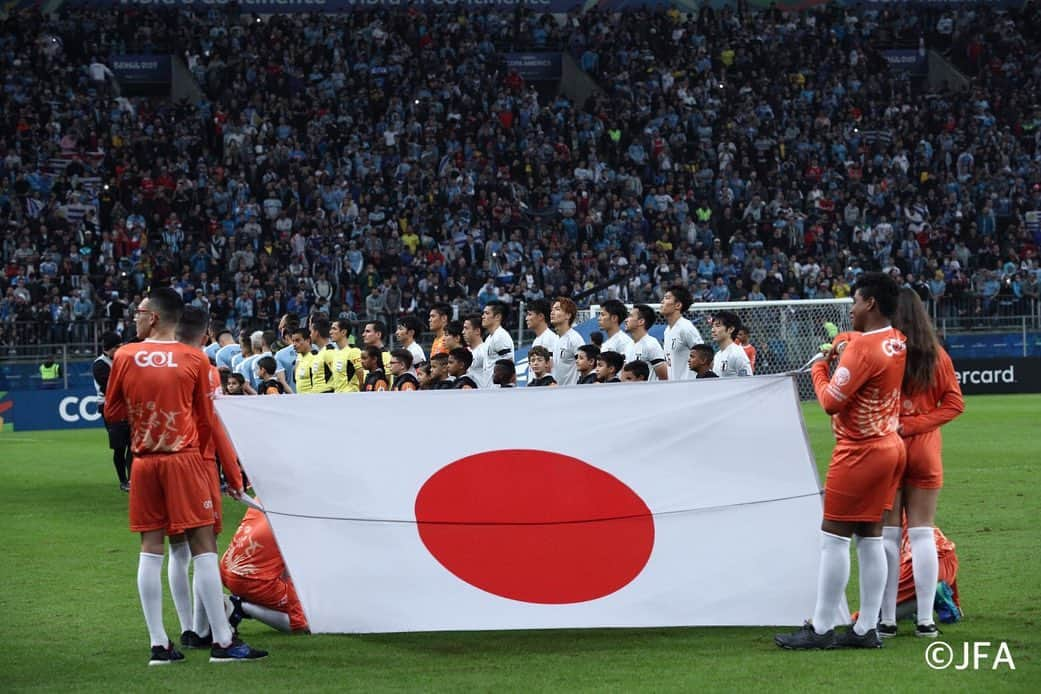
663 504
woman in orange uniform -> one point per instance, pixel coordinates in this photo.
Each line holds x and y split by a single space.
930 397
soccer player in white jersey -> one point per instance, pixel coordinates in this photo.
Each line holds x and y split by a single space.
408 329
536 317
562 317
499 344
473 336
680 334
611 320
730 359
645 347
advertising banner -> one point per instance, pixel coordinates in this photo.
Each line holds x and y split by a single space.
34 410
989 376
142 75
535 67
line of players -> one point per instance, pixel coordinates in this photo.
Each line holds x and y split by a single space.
478 352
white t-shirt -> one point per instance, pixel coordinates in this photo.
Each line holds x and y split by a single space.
499 345
648 349
731 361
679 339
565 368
619 342
418 356
547 339
476 370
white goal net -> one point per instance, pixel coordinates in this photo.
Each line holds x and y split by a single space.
785 334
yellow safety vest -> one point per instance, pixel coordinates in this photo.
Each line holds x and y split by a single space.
50 373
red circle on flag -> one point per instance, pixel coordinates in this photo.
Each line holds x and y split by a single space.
535 526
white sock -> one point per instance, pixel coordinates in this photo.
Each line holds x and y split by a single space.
926 566
831 581
891 536
200 625
150 588
177 576
208 585
273 618
872 560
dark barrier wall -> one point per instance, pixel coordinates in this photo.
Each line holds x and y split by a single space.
990 376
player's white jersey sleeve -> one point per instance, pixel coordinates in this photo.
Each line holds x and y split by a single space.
418 356
731 361
547 339
679 339
477 370
565 367
648 349
499 346
620 342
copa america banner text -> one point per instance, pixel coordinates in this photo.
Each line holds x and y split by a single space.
662 504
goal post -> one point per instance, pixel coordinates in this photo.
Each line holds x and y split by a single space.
785 334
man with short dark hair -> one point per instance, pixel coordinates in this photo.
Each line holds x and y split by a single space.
536 317
453 337
346 361
118 432
499 344
440 314
730 359
680 334
373 335
409 328
645 347
611 319
162 387
304 361
473 335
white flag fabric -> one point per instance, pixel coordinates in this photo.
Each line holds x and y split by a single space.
624 505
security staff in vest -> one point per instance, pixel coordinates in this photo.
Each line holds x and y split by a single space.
50 373
118 432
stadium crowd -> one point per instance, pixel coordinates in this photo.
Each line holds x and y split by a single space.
373 164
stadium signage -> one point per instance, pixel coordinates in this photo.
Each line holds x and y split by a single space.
990 376
908 60
536 67
36 410
280 6
143 75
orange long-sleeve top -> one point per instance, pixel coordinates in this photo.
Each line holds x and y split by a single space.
938 404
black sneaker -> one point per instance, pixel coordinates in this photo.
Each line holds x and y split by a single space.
237 652
851 639
927 631
806 639
190 639
886 631
165 656
233 609
124 487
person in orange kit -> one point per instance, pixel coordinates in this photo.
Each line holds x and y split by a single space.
931 397
162 388
252 568
863 397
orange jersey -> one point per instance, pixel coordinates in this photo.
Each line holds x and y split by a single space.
163 389
863 395
438 346
935 406
253 552
750 353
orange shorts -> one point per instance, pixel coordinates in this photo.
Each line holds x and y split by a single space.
276 594
170 492
863 478
924 461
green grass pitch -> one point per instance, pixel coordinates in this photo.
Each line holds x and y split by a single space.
70 617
